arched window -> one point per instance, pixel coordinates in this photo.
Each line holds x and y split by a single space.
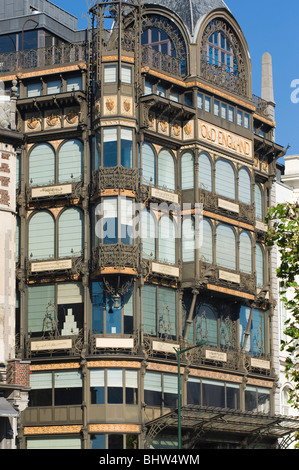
204 172
245 253
244 186
220 52
226 254
225 179
260 272
148 234
167 240
42 165
70 161
206 242
207 325
41 236
148 164
166 170
188 239
187 170
259 212
70 233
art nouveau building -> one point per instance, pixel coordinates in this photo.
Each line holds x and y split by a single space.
139 134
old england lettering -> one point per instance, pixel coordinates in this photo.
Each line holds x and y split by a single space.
223 139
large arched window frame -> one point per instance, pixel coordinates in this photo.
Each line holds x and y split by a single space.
50 238
226 247
166 170
225 179
244 186
48 166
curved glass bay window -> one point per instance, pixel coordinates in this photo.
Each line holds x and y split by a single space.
107 316
114 386
55 309
48 166
117 147
114 221
159 311
50 238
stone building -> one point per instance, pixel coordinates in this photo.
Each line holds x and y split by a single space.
145 173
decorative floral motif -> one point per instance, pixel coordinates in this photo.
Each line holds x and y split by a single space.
33 122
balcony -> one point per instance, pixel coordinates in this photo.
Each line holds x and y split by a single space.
43 57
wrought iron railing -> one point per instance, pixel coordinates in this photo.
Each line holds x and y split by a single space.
261 105
43 57
219 75
162 62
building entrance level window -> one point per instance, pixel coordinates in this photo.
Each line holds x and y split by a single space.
114 441
212 393
106 316
55 388
114 386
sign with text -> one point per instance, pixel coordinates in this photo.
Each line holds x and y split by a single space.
225 140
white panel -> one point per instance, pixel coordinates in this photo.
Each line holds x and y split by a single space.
70 293
54 443
126 74
67 379
110 74
170 384
97 378
110 134
115 378
41 381
153 381
131 379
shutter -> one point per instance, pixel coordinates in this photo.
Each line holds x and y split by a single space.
167 241
115 378
187 171
188 240
206 248
170 383
131 379
97 378
204 172
70 161
148 234
258 203
244 186
53 86
126 74
225 247
70 233
149 309
41 236
54 443
148 165
70 293
225 179
73 84
166 171
167 311
153 382
245 253
126 147
259 266
68 379
42 166
41 381
38 299
110 74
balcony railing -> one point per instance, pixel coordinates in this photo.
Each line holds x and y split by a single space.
219 75
43 57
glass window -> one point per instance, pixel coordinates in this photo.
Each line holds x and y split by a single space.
34 89
206 324
207 104
224 111
213 393
110 73
259 212
159 308
194 391
42 165
153 389
244 186
98 441
148 234
126 74
166 170
204 172
200 100
239 118
260 281
70 233
53 86
110 146
246 121
174 96
97 386
148 164
41 244
231 114
68 388
170 389
167 240
255 344
161 91
226 254
187 170
188 239
70 161
115 386
148 88
257 399
126 136
216 108
206 242
245 253
188 99
225 179
74 83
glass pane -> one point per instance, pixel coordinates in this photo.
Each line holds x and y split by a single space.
148 165
41 236
226 255
98 441
213 394
225 179
126 147
70 161
110 147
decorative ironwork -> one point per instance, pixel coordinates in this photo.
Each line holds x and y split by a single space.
261 105
218 74
117 177
42 57
162 62
116 255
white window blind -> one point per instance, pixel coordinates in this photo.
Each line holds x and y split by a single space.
70 293
188 239
42 165
244 186
97 378
226 247
126 74
34 89
73 84
41 381
115 378
110 73
68 379
53 86
148 164
41 236
245 253
153 382
225 179
167 241
166 170
170 383
70 161
131 379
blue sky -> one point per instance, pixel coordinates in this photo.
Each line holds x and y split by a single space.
269 26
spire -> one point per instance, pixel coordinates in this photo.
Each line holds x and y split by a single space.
267 84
